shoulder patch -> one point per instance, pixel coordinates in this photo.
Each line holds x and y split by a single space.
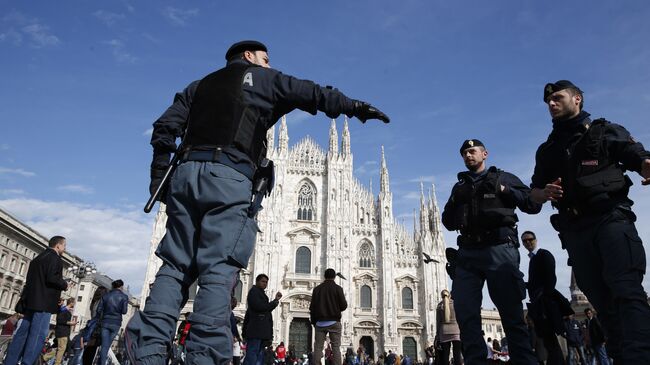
248 79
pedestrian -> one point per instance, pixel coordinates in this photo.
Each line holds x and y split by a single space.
581 170
281 353
597 337
482 207
327 303
92 331
64 323
43 286
547 307
77 348
575 342
447 333
211 225
236 338
184 330
113 305
258 321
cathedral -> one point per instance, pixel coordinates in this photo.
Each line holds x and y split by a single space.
320 216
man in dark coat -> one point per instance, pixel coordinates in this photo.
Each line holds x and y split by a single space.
575 341
596 337
258 321
327 303
547 306
39 301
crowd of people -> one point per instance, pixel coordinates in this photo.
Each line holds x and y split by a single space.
27 334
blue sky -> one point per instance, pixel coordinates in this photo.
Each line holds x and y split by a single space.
82 81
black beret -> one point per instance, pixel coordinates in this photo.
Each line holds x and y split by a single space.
469 143
242 46
550 88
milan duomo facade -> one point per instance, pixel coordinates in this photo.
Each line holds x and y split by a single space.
319 216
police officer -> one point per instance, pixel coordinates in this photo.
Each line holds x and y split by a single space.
482 208
581 170
211 224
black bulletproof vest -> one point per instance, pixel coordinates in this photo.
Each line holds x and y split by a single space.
220 117
480 206
595 181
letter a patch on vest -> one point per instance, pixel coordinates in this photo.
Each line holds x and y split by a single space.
248 79
590 163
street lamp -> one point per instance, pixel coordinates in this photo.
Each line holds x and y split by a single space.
84 268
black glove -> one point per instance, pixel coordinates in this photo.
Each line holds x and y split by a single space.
365 111
156 179
452 257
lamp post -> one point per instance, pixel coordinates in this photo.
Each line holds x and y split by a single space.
81 270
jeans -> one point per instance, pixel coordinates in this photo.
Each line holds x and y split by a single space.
254 352
29 339
76 358
571 350
601 354
108 334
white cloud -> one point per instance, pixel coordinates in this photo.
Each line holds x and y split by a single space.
22 26
148 132
412 195
368 167
76 188
4 147
40 35
119 52
21 172
13 192
10 35
107 17
179 17
116 240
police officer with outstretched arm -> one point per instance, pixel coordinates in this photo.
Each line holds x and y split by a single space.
482 208
581 170
211 224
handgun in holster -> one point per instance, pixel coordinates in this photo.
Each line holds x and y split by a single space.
263 181
452 258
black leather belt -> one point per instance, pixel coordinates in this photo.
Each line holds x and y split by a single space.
218 156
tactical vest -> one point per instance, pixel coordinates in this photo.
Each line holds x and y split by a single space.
595 181
219 117
480 207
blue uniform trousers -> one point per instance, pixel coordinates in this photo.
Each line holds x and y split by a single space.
210 236
609 263
499 266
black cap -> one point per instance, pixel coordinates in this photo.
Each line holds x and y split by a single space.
469 143
242 46
550 88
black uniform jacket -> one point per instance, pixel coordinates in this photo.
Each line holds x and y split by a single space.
552 158
272 93
515 194
258 321
327 302
44 283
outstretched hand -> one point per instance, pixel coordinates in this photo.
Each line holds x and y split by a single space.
645 171
365 111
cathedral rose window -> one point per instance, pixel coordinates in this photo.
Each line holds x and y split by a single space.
366 255
306 203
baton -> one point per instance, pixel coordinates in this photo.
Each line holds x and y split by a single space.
161 186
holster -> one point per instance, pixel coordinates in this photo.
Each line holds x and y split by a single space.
263 181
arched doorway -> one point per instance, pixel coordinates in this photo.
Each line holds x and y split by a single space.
410 347
368 345
300 336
